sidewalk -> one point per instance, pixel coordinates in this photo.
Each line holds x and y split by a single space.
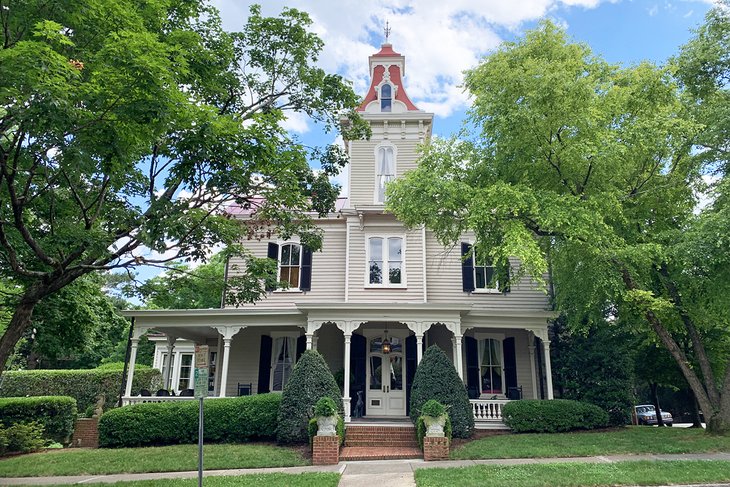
398 473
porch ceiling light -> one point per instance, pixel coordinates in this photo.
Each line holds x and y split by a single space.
386 343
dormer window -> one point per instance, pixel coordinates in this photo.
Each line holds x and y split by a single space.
386 98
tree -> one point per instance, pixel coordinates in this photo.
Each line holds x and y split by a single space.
127 128
588 163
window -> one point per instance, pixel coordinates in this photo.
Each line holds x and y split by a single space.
385 261
213 360
386 98
290 264
490 366
484 274
165 365
282 358
481 275
385 171
186 371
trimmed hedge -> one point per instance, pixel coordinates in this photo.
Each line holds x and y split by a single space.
552 416
83 385
310 380
227 420
56 414
436 378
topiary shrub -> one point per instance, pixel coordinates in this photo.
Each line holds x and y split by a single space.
436 378
552 416
83 385
231 420
310 380
55 414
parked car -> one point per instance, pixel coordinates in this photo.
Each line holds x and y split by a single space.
646 415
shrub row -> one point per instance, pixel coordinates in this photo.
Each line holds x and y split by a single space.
553 416
56 414
236 419
83 385
21 438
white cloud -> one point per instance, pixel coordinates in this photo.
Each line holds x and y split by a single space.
653 10
295 122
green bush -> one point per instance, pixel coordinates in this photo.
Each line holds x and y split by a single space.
433 408
22 438
226 420
553 416
340 429
56 414
310 380
421 430
326 406
436 378
83 385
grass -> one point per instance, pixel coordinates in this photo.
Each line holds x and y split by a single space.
153 459
577 474
629 440
253 480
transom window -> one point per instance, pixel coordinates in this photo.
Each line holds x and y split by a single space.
385 171
282 358
386 98
490 366
385 262
290 262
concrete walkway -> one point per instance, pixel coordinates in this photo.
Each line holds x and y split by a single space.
398 473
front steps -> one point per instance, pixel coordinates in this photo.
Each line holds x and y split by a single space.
366 442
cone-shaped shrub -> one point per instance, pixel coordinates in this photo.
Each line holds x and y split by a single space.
310 380
436 378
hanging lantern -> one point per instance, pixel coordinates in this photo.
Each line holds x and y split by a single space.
386 343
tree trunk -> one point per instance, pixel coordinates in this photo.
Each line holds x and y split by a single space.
17 326
696 418
655 402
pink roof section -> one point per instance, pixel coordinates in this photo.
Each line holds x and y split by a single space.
395 76
236 209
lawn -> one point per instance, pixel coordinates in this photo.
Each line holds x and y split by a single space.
153 459
633 439
577 474
253 480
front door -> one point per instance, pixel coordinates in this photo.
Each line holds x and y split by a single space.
386 375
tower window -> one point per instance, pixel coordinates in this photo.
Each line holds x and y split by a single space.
386 98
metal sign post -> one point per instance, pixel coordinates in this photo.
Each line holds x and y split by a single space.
201 391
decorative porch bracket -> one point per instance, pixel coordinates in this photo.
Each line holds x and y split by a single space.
227 333
136 335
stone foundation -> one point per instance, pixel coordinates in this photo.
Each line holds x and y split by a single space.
435 448
86 433
326 450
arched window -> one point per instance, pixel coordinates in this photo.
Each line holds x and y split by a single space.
386 98
385 171
290 264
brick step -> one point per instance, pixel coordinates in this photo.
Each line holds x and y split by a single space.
379 453
407 443
378 436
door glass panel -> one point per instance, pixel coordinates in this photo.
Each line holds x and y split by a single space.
376 372
396 344
376 344
396 372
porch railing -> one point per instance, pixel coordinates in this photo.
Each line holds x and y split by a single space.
126 401
488 412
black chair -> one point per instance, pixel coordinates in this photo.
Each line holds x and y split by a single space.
245 389
514 393
145 392
187 393
162 393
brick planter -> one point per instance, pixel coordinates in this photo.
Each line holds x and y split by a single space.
435 448
86 433
326 450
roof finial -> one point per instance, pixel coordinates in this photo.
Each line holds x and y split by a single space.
387 31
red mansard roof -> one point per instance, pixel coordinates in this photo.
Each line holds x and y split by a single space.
386 50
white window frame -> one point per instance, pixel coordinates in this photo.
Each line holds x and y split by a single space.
274 336
499 337
179 370
386 265
391 97
376 192
281 245
481 290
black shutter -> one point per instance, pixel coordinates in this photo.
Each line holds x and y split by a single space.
273 253
264 364
467 268
301 345
472 367
411 364
503 276
358 353
305 283
510 364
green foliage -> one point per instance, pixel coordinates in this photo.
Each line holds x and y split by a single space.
310 380
55 414
552 416
312 429
85 386
21 438
421 429
436 378
325 406
596 367
227 420
433 408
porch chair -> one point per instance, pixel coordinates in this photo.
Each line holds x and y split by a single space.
162 393
514 393
145 392
245 389
187 393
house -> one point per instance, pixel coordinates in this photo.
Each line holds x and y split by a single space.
372 299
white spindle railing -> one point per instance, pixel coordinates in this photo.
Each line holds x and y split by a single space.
126 401
488 410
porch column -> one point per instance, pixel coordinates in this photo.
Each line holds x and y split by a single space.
346 388
310 340
548 371
217 379
227 332
130 371
168 369
457 357
419 347
533 366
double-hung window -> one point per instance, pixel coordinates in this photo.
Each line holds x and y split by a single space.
385 261
186 371
485 277
290 262
282 361
386 98
491 368
385 165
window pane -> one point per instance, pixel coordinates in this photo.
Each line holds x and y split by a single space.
396 344
376 344
394 249
496 380
495 352
394 273
385 105
186 366
376 372
376 248
376 272
295 254
480 279
491 282
385 91
396 373
286 254
283 362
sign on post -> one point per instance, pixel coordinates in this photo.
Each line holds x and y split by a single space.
201 391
